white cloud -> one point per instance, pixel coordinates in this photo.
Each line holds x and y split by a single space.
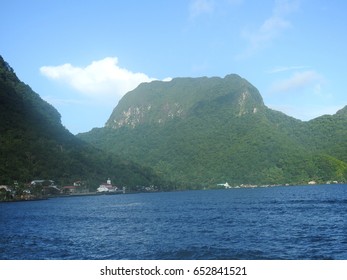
271 28
303 94
298 81
102 78
199 7
168 79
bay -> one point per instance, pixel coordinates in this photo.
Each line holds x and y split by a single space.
296 222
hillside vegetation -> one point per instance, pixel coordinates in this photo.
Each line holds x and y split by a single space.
202 131
35 145
186 133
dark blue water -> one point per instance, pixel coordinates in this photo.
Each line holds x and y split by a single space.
263 223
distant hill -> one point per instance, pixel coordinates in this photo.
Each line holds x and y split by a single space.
204 131
35 145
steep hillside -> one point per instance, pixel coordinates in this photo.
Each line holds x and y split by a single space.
329 134
159 102
204 131
35 145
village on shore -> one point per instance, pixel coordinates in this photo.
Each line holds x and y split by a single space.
44 189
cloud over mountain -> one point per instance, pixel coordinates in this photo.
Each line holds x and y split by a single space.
297 81
100 78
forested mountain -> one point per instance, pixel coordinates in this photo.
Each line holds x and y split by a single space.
204 131
192 132
35 145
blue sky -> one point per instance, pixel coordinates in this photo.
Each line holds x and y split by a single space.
82 56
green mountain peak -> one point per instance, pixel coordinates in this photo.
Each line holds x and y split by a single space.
203 131
35 145
158 101
343 111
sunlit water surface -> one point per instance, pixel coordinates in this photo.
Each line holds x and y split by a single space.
301 222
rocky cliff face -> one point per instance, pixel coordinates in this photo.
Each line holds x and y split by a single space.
158 102
197 131
136 115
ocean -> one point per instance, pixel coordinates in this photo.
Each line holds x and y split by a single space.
284 223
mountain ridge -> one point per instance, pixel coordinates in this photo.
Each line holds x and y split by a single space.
35 145
209 130
168 96
186 133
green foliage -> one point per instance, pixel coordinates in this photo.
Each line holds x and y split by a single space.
187 133
204 131
35 145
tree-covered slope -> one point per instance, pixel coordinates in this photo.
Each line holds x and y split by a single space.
205 131
158 102
35 145
328 133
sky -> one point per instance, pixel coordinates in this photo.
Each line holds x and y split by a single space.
82 56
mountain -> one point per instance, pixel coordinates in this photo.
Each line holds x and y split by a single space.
329 134
35 145
158 102
204 131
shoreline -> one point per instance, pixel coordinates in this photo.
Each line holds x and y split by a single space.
120 193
